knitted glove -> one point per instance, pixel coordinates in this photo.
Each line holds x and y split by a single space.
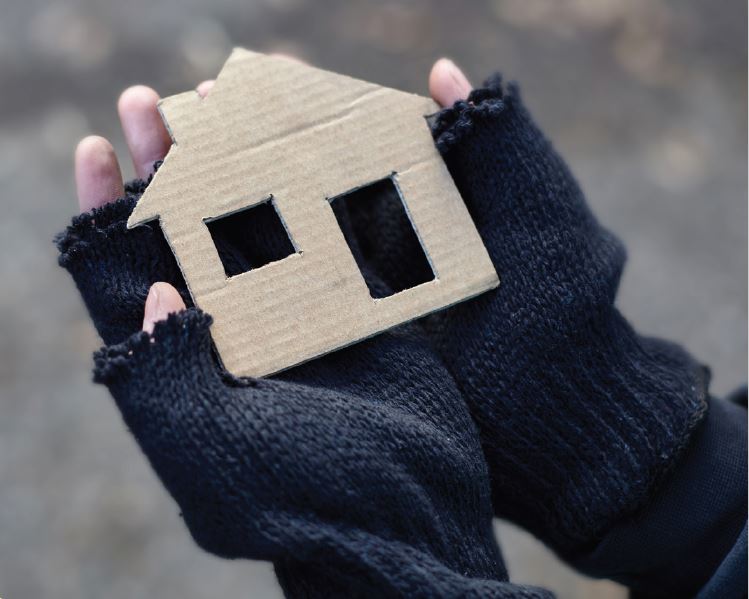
579 416
357 474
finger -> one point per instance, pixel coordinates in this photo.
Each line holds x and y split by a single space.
97 173
205 87
447 83
145 133
162 300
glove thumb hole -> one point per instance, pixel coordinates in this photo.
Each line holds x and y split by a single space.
154 376
162 300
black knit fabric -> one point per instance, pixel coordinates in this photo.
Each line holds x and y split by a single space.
357 474
360 473
580 417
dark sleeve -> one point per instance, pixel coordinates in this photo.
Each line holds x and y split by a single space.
690 538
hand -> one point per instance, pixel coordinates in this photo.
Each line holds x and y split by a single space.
580 418
358 473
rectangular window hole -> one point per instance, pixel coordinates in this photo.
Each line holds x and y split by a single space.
250 238
382 238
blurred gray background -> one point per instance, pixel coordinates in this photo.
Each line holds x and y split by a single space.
645 98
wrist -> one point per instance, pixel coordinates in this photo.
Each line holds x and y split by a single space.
593 427
687 532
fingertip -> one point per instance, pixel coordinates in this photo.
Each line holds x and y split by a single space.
448 83
137 98
145 133
205 87
97 173
162 300
93 146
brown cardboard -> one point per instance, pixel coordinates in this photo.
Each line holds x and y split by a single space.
275 127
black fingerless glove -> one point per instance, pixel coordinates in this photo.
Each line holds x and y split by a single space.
580 417
357 474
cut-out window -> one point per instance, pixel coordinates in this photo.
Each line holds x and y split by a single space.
250 238
382 238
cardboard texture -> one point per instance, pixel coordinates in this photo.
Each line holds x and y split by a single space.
272 127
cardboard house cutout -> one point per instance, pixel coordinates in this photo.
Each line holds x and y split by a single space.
274 128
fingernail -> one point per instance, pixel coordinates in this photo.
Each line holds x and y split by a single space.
151 310
457 75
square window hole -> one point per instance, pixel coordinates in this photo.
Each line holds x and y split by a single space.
382 238
250 238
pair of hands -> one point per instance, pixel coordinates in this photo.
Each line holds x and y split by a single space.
358 473
375 470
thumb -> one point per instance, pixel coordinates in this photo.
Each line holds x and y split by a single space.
447 83
162 300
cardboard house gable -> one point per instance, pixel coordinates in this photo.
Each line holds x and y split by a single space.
272 128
